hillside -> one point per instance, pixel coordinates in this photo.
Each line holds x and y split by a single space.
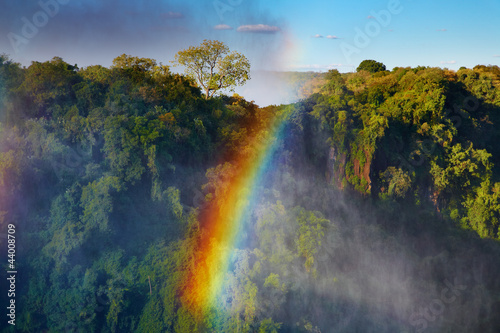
373 205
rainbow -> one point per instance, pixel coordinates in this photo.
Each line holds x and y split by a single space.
223 222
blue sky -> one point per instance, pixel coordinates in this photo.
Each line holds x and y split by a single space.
275 35
431 33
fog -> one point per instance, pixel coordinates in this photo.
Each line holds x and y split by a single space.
375 270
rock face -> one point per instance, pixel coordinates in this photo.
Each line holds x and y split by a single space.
330 171
343 169
336 168
362 171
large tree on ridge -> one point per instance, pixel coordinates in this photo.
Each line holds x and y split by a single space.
214 67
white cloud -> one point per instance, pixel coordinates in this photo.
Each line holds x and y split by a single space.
259 28
450 62
497 55
223 27
332 37
441 30
317 36
172 15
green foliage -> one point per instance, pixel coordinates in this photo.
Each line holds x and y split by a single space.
371 66
47 83
80 155
214 67
96 203
483 210
134 67
398 182
269 326
465 169
414 129
309 237
108 161
173 196
273 280
151 321
130 140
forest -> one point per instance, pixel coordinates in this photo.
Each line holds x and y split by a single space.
378 209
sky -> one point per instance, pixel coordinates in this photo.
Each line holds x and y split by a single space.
276 35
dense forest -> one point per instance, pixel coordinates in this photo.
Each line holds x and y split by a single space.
380 213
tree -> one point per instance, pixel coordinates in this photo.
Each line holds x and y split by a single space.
47 84
214 67
137 69
371 66
398 181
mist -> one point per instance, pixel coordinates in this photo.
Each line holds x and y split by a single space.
357 225
374 270
267 88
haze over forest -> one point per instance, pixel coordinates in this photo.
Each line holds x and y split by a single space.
244 166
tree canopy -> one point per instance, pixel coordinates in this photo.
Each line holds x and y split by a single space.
371 66
214 67
378 190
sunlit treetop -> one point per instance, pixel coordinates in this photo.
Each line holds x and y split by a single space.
214 67
371 66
